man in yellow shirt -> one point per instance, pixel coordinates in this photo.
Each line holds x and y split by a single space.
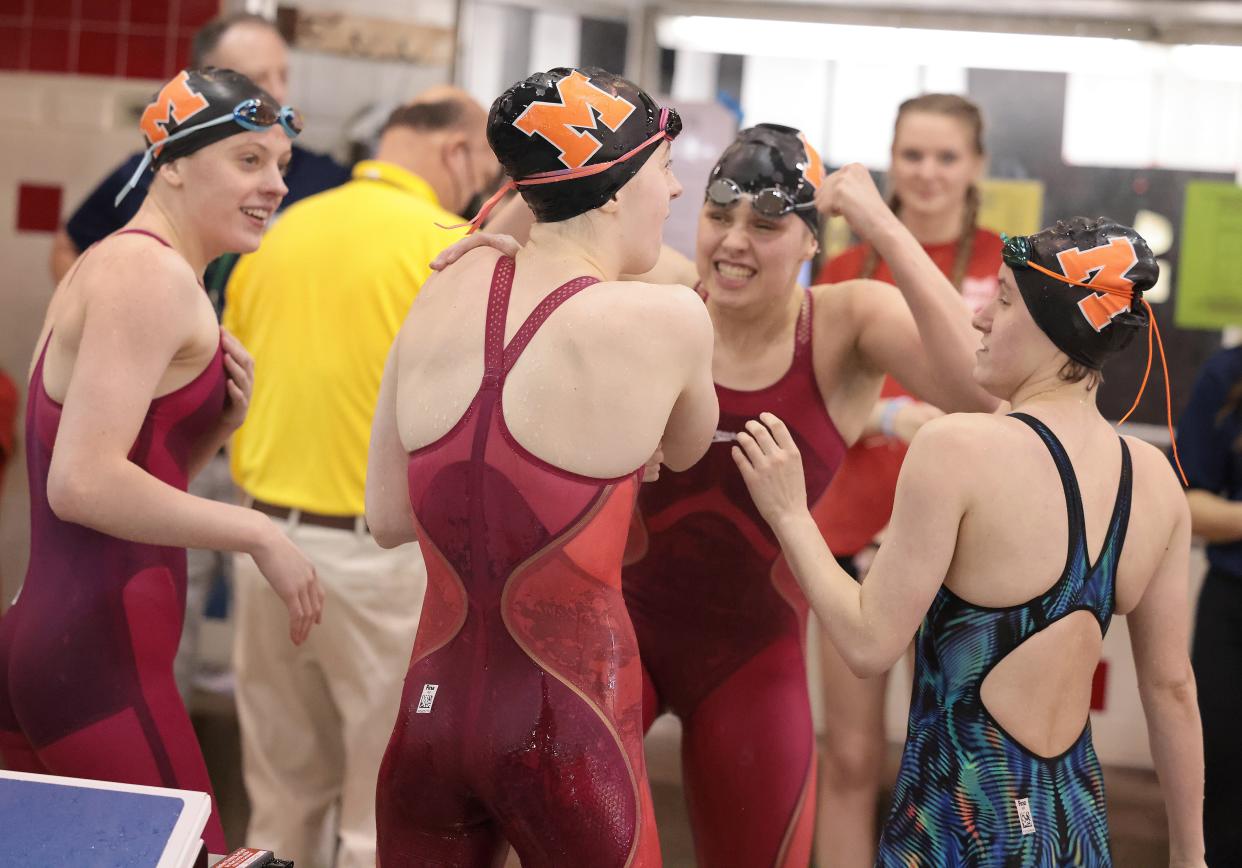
318 305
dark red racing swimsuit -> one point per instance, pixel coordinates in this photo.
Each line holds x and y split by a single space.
721 626
521 719
86 653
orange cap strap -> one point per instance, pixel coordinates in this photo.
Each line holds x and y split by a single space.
1153 328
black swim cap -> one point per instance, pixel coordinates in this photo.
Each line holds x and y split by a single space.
1088 326
192 98
199 107
557 126
771 156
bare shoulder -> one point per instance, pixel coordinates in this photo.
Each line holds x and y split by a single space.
139 276
673 304
1155 482
959 436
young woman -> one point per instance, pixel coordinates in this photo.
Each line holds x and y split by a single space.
720 622
134 387
521 400
937 160
999 767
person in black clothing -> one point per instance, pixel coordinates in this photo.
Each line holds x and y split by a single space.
1209 438
254 47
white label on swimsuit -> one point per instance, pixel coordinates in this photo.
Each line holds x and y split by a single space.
724 437
428 697
1024 816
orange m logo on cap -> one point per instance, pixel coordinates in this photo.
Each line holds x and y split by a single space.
813 171
556 122
175 102
1105 265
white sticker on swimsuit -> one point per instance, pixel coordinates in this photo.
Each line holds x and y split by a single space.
1024 816
428 697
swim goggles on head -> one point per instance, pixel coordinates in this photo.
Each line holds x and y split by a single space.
252 114
771 202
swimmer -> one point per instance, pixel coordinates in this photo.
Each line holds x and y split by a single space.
521 402
999 766
133 389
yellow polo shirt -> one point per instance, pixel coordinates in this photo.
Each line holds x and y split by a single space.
318 306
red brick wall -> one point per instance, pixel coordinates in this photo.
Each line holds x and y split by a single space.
131 38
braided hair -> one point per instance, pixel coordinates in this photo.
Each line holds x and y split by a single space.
962 109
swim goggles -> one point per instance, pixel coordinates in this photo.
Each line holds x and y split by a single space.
771 202
252 114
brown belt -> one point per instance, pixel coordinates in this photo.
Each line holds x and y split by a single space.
338 522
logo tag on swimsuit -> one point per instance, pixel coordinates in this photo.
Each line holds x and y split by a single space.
724 437
428 697
1024 816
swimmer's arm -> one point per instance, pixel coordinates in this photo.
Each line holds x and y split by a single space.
1214 518
924 341
927 342
870 624
390 517
692 422
137 318
1159 637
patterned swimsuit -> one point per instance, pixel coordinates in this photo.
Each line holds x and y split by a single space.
968 793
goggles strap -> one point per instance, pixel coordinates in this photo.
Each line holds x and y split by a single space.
1153 330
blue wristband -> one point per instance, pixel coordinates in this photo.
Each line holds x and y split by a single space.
889 414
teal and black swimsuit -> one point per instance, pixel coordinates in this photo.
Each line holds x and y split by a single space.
969 794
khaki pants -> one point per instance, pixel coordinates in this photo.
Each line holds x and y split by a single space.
315 720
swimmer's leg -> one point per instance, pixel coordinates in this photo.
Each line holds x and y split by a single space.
748 755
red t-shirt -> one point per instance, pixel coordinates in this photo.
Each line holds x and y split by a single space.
859 502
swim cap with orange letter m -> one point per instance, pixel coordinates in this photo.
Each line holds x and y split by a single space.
1083 282
569 139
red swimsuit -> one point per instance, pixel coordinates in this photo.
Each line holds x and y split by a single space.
86 653
521 716
721 626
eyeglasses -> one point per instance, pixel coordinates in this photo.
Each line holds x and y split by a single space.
770 202
252 114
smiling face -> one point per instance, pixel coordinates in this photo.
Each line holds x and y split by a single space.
232 187
1012 347
744 258
934 163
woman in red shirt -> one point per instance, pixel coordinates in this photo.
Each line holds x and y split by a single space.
937 158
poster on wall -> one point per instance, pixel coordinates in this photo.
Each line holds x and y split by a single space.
1209 286
1014 207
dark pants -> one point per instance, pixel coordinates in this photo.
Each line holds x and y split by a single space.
1217 659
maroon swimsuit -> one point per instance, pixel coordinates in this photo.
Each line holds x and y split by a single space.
86 653
721 627
521 718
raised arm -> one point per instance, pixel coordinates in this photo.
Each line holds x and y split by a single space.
389 514
138 315
695 414
1159 636
923 336
870 623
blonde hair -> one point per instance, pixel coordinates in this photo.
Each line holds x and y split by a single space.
957 107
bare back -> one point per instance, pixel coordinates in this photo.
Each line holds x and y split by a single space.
1012 548
592 392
